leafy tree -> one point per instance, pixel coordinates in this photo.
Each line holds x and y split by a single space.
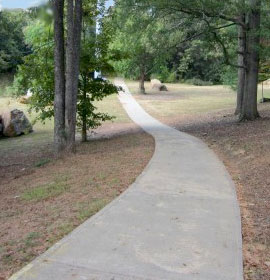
12 45
93 58
90 91
142 42
37 73
247 15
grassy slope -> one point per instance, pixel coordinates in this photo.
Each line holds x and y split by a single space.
43 133
66 191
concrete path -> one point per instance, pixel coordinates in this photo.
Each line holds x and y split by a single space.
179 221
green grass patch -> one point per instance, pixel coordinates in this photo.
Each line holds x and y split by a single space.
7 259
184 99
6 81
112 106
65 228
91 208
59 186
31 239
42 162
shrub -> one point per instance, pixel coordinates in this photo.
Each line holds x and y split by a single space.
229 77
165 75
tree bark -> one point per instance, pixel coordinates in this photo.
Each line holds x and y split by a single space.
74 26
59 73
242 63
249 109
84 121
142 80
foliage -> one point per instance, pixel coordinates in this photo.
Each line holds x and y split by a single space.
229 76
200 60
12 45
165 75
6 80
171 44
141 43
90 91
37 72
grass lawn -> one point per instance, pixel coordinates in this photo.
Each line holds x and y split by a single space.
186 99
207 113
43 198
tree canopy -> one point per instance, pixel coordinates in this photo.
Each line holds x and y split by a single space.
12 43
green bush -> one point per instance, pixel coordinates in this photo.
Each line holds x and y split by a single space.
165 75
229 77
5 84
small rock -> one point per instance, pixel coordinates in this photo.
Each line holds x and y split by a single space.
24 99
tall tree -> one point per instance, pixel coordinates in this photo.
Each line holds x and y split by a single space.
252 57
12 43
142 42
215 12
74 26
59 79
43 71
242 44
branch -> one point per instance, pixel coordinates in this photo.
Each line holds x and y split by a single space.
224 49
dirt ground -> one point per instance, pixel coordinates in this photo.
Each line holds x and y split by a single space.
42 199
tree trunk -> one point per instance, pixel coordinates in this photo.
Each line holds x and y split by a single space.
142 80
249 108
59 73
241 69
84 113
74 25
84 121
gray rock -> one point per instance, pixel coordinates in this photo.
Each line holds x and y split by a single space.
15 123
163 88
157 85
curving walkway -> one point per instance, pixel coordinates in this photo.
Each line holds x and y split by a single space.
179 221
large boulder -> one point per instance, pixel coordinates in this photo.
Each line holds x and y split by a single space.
157 85
15 123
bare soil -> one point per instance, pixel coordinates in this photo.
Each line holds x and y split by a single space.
42 198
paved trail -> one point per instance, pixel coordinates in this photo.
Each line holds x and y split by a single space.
179 221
